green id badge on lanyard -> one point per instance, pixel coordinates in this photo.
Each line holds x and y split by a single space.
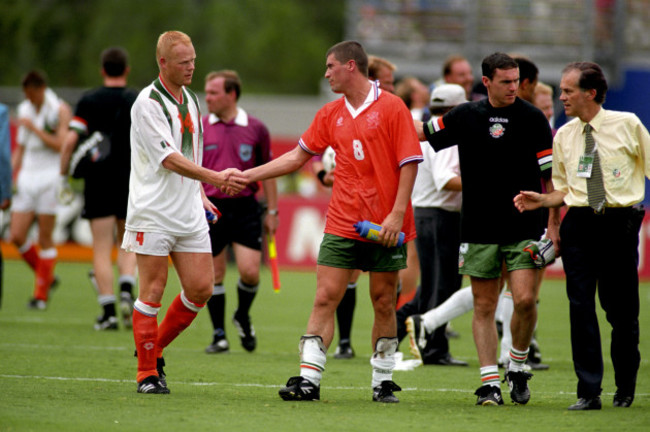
585 165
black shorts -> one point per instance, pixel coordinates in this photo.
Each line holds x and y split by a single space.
106 194
240 222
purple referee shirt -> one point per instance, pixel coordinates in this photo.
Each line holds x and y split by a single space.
242 143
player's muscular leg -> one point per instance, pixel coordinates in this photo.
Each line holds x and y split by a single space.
19 226
524 296
383 294
486 296
195 273
331 284
153 277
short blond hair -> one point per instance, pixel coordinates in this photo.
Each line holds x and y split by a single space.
168 40
543 88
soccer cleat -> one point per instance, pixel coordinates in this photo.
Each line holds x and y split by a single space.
106 323
36 304
343 351
488 395
417 335
300 389
218 346
246 331
162 376
622 401
152 384
126 307
518 383
384 392
586 404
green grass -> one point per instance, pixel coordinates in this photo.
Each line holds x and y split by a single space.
58 374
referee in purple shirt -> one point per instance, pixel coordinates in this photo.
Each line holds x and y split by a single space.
234 139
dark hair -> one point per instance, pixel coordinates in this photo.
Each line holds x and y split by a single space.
231 81
114 61
495 61
34 78
351 50
591 78
527 69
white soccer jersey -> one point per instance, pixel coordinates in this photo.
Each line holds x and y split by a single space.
433 174
161 200
38 159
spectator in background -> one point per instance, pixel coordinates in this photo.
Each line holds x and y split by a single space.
415 95
528 76
5 175
107 109
380 69
457 70
543 99
43 121
234 139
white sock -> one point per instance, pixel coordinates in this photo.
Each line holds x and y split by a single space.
383 360
460 302
507 309
312 358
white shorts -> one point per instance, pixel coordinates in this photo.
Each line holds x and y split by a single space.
158 244
36 194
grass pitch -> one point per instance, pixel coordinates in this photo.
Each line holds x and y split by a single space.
58 374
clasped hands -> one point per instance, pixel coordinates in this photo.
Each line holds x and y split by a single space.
233 181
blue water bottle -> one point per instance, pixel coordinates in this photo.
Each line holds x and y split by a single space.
370 230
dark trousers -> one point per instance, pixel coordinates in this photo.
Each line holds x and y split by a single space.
437 244
600 253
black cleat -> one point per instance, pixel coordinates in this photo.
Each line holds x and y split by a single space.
518 383
246 331
36 304
300 389
344 351
488 395
162 376
622 401
586 404
218 346
384 392
106 323
152 384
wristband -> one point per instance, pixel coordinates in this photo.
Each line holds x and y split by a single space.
273 212
321 176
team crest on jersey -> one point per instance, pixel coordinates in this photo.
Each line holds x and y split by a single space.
339 121
245 152
373 120
616 173
497 130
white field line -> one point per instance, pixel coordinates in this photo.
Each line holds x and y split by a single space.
258 385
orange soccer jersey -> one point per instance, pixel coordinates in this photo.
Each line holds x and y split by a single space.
371 146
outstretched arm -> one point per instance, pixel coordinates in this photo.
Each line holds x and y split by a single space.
285 164
230 180
527 200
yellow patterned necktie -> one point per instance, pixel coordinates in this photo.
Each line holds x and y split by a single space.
595 187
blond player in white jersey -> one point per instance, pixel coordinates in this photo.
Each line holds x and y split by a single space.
166 211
